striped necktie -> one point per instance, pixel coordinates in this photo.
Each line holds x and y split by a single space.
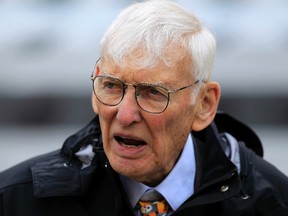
152 203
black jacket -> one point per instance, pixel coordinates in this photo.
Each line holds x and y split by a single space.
54 184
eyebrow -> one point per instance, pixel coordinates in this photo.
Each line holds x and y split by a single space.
157 83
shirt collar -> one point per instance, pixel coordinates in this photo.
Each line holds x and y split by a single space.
176 188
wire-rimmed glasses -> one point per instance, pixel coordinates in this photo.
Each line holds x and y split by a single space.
151 98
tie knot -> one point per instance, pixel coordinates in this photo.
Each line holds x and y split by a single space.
152 203
151 195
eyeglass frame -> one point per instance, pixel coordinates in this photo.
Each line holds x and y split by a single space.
125 85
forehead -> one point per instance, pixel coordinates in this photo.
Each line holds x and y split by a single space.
158 73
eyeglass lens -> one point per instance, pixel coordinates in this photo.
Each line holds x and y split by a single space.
110 91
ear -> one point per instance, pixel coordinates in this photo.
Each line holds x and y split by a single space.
206 106
93 98
97 70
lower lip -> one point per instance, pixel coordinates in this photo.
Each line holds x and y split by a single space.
130 151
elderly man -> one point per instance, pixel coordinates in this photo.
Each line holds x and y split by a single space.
157 145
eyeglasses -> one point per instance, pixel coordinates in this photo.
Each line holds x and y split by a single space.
150 97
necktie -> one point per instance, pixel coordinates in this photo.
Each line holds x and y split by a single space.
152 203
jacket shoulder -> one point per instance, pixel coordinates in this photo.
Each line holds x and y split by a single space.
239 130
21 173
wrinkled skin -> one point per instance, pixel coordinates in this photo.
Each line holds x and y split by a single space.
161 137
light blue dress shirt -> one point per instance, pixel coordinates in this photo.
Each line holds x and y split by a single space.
176 188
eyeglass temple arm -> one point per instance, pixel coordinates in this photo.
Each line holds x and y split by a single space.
176 90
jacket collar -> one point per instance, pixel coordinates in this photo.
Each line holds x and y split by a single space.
90 134
212 165
216 176
61 174
226 123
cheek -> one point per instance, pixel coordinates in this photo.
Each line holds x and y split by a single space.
94 103
167 147
106 116
171 131
170 127
165 137
159 128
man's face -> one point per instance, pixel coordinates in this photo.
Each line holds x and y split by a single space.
141 145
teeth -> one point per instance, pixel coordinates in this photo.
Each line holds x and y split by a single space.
130 142
130 146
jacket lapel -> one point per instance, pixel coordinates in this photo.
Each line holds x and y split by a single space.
215 173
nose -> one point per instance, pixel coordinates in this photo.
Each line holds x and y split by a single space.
128 110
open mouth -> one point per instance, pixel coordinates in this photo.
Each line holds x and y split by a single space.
129 142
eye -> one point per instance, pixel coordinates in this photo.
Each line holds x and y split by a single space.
110 85
151 92
154 91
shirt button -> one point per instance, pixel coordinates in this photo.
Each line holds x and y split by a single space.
224 188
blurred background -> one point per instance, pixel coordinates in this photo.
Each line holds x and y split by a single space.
48 49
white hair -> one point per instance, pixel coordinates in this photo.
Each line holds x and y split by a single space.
160 31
